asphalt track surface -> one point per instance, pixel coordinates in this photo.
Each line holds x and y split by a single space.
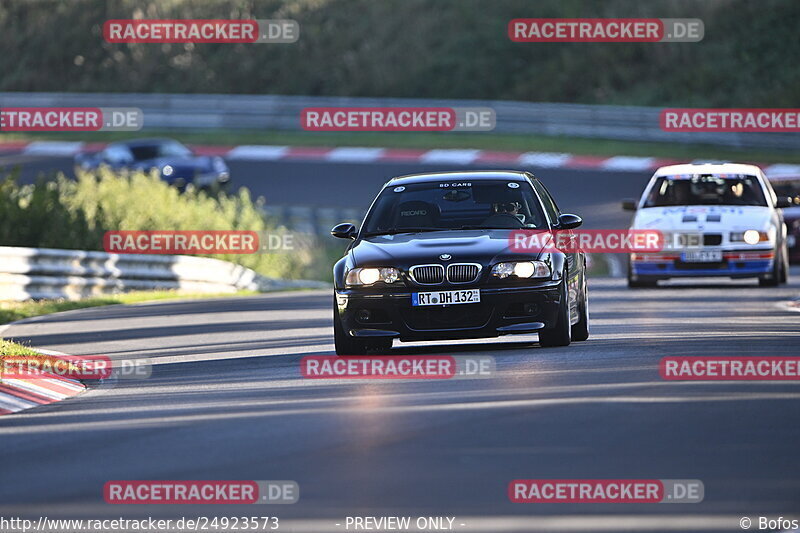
595 195
226 401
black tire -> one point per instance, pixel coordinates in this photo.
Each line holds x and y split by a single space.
640 282
774 279
347 345
344 343
784 266
561 333
580 330
379 346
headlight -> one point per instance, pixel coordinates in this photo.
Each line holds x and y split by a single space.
521 269
167 170
368 276
750 236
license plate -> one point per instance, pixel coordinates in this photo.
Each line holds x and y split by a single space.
705 256
470 296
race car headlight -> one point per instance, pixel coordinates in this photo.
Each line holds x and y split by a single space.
521 269
750 236
167 170
369 276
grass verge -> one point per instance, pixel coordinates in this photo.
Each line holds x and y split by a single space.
482 141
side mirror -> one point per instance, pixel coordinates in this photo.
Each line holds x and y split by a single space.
783 202
629 204
568 221
344 230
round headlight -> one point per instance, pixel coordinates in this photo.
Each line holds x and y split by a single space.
167 170
503 270
368 276
389 275
751 236
524 269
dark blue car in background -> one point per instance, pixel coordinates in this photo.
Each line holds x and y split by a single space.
174 162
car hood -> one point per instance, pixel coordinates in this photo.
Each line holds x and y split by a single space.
404 250
706 218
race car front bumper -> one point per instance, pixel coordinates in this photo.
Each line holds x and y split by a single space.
735 263
501 311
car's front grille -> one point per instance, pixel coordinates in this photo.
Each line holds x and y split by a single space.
463 272
427 274
431 318
680 265
712 239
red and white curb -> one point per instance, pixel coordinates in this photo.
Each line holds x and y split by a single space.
395 155
20 394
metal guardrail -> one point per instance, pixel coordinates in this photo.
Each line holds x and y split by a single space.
275 112
36 273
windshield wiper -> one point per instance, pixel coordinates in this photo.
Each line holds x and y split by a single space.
395 231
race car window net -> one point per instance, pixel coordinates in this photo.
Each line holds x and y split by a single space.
429 206
706 189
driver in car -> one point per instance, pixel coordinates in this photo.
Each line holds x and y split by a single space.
505 215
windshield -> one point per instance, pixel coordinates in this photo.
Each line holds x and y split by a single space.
454 204
153 151
728 189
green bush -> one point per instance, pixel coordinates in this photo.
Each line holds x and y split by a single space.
63 213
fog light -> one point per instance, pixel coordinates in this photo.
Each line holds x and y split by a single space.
363 315
531 309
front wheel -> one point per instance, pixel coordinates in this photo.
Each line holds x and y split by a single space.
778 274
784 266
347 345
344 343
561 334
580 330
639 282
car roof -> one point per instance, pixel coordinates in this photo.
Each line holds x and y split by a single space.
784 177
475 175
708 168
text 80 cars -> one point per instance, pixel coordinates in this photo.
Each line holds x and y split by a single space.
432 261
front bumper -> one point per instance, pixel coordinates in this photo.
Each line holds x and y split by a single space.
736 263
501 311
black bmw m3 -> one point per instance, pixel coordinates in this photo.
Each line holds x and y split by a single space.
433 260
